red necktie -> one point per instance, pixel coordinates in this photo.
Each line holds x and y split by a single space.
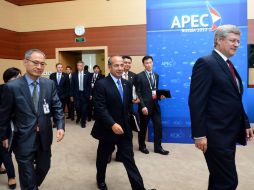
232 71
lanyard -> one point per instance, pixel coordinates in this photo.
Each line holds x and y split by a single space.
154 79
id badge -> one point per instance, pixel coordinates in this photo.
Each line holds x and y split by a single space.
46 107
154 95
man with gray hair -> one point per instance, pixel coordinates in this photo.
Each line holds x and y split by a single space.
31 101
218 119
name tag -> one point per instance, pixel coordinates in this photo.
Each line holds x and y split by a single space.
46 107
154 95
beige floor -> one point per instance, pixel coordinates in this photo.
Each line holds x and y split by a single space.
73 166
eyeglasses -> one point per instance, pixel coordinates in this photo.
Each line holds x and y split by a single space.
37 63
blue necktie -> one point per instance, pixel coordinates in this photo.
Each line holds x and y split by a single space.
120 89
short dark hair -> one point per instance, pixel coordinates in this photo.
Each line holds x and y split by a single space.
96 66
80 61
68 66
58 64
126 57
146 58
86 68
10 73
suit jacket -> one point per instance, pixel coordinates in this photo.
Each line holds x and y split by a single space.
131 77
109 109
75 85
215 103
63 87
17 103
144 91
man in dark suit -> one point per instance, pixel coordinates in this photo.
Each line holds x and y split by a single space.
218 119
112 101
30 101
149 108
94 77
70 104
81 92
62 84
129 76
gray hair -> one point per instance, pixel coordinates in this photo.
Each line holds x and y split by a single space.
223 30
29 53
111 57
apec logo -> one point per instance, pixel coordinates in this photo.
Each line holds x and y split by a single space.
209 21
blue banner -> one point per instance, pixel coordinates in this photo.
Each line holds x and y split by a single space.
179 32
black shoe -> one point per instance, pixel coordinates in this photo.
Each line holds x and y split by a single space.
12 186
68 117
54 126
144 150
3 171
89 119
77 121
102 186
83 125
72 119
161 151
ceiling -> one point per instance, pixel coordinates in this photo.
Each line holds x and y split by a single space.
32 2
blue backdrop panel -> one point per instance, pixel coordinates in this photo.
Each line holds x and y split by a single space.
178 32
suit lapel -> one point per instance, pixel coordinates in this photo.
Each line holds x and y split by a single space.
41 95
115 88
225 68
26 93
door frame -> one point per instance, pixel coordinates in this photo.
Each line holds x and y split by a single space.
104 48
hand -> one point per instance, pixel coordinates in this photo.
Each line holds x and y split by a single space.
249 134
59 135
145 111
162 97
117 129
136 101
71 99
5 143
201 144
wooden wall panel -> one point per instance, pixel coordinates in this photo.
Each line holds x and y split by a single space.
32 2
121 40
9 44
251 31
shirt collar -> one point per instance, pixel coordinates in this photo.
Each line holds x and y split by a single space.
221 54
148 72
114 78
30 81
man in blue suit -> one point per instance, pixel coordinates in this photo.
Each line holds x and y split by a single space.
112 105
31 101
218 119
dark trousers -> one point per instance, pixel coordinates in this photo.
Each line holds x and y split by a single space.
81 103
125 150
222 168
155 115
6 158
90 109
33 167
70 106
